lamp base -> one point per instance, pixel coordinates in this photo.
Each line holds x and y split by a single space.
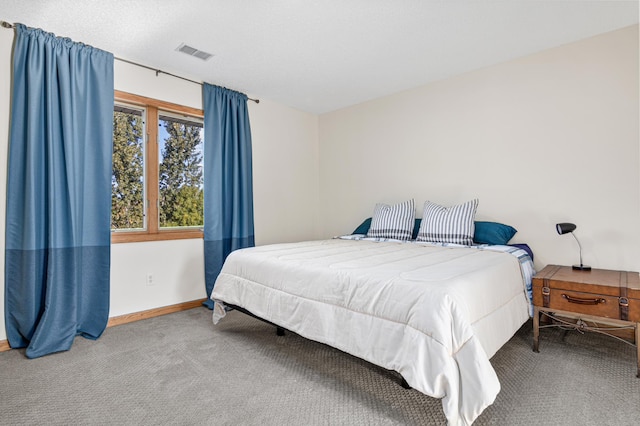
581 268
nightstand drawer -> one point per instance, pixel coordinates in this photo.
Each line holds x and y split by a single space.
582 303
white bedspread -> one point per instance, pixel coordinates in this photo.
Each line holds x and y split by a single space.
411 308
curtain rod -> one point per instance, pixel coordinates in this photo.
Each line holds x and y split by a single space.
158 71
168 73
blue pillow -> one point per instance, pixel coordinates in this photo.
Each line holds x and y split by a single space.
416 228
493 233
363 228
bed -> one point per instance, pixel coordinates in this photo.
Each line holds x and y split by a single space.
434 312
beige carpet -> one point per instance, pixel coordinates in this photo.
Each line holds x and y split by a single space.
180 369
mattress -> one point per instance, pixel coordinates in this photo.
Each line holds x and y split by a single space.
433 313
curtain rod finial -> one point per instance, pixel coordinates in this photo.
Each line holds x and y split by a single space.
6 24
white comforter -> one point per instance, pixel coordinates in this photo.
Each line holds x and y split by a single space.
412 308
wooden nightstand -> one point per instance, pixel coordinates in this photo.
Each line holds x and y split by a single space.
598 300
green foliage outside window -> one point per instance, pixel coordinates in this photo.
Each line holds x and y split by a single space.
181 196
127 185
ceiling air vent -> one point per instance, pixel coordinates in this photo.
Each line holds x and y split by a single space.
194 52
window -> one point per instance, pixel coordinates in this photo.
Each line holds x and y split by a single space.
157 181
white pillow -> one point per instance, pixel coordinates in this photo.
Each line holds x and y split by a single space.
393 221
448 224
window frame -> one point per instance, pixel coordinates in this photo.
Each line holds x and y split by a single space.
153 232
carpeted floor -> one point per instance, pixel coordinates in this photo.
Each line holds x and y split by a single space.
181 369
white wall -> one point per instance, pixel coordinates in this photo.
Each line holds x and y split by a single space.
285 160
177 266
285 173
548 138
6 43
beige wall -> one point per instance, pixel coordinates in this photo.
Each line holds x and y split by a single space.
547 138
285 160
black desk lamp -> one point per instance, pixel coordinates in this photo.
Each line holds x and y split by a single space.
564 228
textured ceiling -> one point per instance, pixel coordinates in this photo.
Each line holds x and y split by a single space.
322 55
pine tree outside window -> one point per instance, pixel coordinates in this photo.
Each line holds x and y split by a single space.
181 181
127 178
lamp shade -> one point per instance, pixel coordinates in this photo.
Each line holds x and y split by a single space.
564 228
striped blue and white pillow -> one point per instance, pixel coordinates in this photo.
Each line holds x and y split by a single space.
393 221
448 224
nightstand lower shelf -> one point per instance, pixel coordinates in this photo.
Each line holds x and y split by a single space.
587 323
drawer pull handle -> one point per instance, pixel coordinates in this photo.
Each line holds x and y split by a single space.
580 301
